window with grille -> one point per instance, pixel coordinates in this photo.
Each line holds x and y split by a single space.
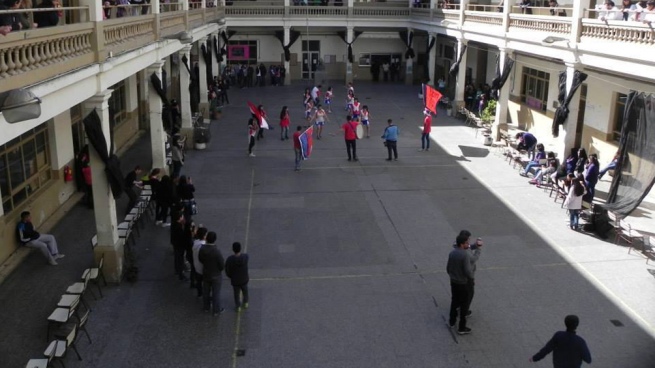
619 110
117 104
534 90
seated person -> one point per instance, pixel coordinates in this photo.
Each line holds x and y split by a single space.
527 142
541 154
30 238
610 166
549 168
567 168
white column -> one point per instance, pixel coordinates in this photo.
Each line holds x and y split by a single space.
349 39
157 133
185 97
576 22
432 58
144 80
567 130
507 8
409 63
463 4
287 64
460 87
202 79
132 98
103 199
215 69
154 7
503 97
94 13
185 4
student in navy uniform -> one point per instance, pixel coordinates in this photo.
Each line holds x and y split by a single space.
569 350
30 238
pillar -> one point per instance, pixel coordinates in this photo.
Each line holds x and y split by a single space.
409 64
202 80
185 80
460 86
132 97
349 39
287 64
144 81
432 58
503 97
567 130
104 210
157 133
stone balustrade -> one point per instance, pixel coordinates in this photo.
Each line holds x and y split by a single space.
559 25
629 32
474 16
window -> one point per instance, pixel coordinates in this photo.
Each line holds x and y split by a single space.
370 59
242 52
117 105
534 90
24 167
78 128
619 109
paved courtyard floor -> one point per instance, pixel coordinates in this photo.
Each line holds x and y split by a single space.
348 258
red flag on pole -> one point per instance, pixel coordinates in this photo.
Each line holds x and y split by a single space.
431 98
260 118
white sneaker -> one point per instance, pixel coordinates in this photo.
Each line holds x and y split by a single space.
252 155
59 256
53 262
166 224
158 223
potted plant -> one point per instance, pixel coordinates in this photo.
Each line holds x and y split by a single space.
489 112
449 108
201 139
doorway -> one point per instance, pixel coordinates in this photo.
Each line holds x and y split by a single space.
311 53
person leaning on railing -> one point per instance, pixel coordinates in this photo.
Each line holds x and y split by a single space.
648 16
554 9
47 18
628 10
10 22
608 11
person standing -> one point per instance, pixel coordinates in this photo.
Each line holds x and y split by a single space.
297 147
569 350
177 156
198 237
253 126
30 238
474 255
131 181
316 94
390 137
236 268
179 243
320 117
350 135
212 266
366 116
262 116
285 120
591 177
460 271
427 128
573 202
88 185
165 199
385 71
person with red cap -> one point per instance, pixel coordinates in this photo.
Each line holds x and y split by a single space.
427 128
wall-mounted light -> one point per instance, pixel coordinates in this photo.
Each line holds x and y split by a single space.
19 105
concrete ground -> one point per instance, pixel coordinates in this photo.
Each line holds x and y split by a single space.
348 258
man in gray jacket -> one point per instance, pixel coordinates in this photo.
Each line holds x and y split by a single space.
460 271
212 266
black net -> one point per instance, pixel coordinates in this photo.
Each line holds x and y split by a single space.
635 171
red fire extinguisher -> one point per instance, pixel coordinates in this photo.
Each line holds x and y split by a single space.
68 174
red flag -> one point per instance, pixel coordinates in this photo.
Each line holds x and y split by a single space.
260 118
431 98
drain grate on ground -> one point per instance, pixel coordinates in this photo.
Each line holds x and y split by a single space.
616 322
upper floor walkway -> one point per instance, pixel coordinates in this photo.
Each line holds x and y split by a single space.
89 34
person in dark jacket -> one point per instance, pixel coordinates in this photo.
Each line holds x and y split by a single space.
185 190
569 350
212 266
236 268
165 199
46 18
9 22
179 240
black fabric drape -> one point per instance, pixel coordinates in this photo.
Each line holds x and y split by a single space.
185 61
407 38
454 69
207 55
431 44
499 80
217 53
293 37
562 111
166 110
635 171
226 37
93 130
343 35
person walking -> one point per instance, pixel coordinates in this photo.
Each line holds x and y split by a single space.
297 147
30 238
285 120
474 255
320 117
427 128
262 116
460 271
253 126
197 239
390 137
236 268
569 350
573 202
350 135
212 267
165 199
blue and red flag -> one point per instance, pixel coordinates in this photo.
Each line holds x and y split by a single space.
306 142
261 119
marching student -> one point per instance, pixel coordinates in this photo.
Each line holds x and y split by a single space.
427 128
328 99
365 120
320 117
285 120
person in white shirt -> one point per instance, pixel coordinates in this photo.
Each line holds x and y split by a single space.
316 91
198 242
609 12
648 16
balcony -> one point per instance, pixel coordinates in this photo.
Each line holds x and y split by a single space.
31 56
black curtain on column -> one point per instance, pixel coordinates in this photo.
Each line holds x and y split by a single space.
293 37
407 38
635 172
217 52
207 56
500 78
93 130
454 69
343 35
166 111
562 111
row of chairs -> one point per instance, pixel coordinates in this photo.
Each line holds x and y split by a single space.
69 319
474 121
